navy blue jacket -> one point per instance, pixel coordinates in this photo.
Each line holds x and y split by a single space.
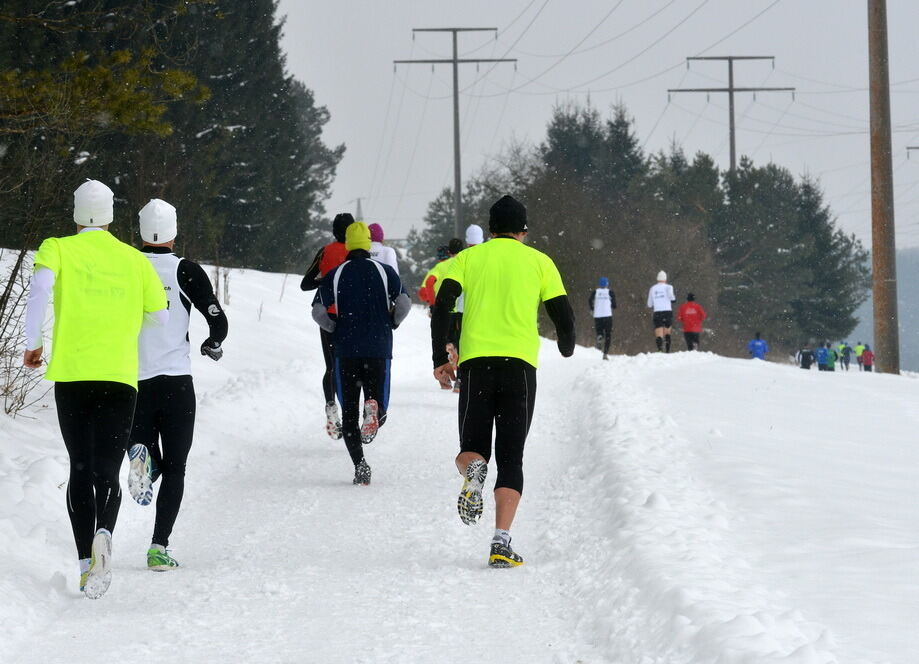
364 302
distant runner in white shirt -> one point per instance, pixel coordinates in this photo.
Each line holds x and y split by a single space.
379 251
661 299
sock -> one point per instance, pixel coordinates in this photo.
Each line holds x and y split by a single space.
158 547
84 565
659 342
503 536
667 341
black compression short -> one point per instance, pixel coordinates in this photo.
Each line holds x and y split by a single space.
497 393
663 319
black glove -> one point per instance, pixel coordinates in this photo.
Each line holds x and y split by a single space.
212 349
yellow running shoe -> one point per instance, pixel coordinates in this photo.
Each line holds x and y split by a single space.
469 503
502 555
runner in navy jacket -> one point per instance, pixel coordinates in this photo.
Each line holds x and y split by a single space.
371 303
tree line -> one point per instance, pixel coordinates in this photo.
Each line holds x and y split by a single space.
184 100
758 247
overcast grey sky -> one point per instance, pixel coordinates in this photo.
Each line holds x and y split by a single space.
398 126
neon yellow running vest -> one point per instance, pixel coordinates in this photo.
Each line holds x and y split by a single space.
503 283
102 287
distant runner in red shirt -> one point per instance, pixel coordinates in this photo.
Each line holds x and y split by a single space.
691 315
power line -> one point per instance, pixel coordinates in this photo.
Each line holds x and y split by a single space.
392 137
411 160
605 41
501 32
581 88
376 162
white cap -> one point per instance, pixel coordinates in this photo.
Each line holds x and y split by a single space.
157 222
93 204
474 235
662 276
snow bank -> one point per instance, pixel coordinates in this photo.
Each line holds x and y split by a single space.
679 509
666 581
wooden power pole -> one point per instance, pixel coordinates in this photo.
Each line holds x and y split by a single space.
730 90
883 243
455 61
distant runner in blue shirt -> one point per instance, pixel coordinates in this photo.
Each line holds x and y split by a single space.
758 347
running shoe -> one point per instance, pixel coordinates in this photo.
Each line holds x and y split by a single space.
362 473
159 560
99 576
140 474
333 421
371 423
502 555
469 503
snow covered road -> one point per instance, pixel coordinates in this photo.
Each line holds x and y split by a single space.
664 521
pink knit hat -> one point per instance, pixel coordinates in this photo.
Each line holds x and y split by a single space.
376 233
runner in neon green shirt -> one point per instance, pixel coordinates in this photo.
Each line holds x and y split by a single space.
102 290
503 283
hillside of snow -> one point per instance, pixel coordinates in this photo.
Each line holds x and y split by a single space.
681 508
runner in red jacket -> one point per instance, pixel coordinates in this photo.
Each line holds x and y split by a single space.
327 259
691 314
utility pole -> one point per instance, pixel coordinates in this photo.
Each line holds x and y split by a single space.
456 61
883 243
358 213
731 90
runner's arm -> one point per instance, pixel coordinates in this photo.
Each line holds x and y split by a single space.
440 319
559 310
312 277
195 283
39 295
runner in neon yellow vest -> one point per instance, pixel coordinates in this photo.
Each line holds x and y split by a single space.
503 283
102 290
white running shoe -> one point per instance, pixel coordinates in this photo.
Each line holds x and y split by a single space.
332 421
99 577
371 423
140 474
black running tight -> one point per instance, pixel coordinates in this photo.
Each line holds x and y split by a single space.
499 393
354 375
164 423
95 419
328 354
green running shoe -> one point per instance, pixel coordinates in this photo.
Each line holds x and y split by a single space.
160 560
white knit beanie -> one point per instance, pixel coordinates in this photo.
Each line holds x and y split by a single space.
158 222
662 276
93 204
474 235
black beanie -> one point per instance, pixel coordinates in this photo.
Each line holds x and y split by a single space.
507 215
690 297
455 246
340 225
